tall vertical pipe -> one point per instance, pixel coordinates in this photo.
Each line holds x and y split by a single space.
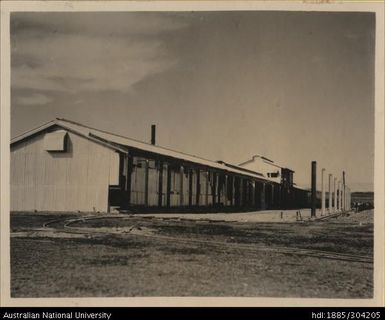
349 199
343 191
335 196
322 192
313 188
330 193
346 198
153 134
338 195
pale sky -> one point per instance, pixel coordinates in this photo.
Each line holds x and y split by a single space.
292 86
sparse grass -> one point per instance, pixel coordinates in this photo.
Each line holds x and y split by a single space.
129 265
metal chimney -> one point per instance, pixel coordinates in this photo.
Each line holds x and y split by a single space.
153 130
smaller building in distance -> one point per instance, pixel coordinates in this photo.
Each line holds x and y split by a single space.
66 166
270 170
278 174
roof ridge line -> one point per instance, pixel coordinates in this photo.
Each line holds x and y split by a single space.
35 128
125 137
66 124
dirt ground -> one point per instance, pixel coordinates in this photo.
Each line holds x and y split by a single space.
256 216
125 256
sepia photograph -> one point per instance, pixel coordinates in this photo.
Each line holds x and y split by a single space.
193 153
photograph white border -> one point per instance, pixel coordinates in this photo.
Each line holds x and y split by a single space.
7 7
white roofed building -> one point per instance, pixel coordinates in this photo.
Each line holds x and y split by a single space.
66 166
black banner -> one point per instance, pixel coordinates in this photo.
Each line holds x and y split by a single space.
177 313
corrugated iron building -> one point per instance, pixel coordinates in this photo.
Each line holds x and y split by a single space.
66 166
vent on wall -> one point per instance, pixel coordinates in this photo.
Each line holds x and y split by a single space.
55 141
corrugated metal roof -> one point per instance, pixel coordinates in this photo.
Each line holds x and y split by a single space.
105 136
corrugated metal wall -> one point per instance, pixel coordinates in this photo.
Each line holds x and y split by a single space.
203 199
153 183
77 179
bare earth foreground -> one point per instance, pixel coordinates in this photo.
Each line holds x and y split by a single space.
67 255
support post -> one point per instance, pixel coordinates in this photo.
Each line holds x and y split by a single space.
181 195
198 191
235 191
168 191
214 188
244 192
146 169
257 197
313 188
190 183
128 179
241 197
263 200
160 184
253 187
